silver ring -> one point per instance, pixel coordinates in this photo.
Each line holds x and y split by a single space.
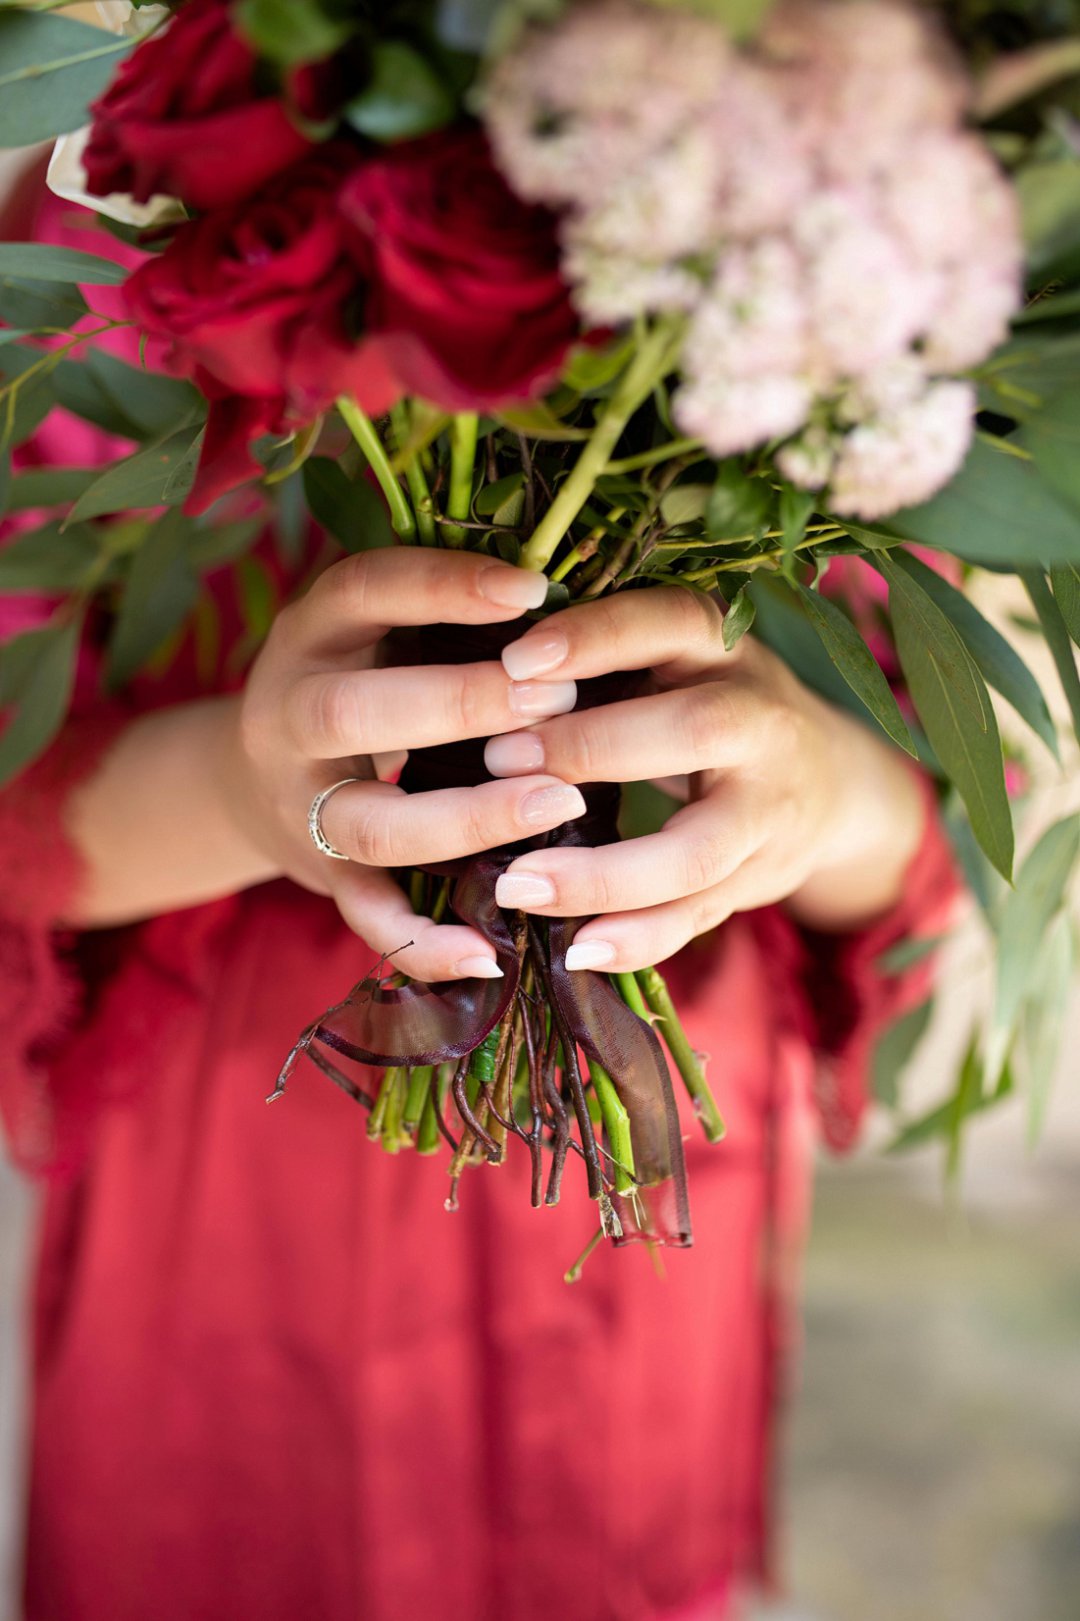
314 820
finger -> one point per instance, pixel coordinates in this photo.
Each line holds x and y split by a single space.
669 627
670 734
627 941
375 908
356 601
382 826
700 846
345 712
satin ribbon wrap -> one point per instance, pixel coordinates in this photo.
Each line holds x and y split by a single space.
419 1023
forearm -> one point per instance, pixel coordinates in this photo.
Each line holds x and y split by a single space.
879 823
155 826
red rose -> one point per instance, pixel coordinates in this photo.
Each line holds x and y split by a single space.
466 298
254 304
184 117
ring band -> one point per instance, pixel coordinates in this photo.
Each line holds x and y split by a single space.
314 820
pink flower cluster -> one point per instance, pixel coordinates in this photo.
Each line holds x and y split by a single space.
841 245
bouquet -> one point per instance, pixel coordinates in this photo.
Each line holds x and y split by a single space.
776 301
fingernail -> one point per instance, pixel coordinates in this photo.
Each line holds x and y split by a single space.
590 954
516 752
478 968
524 889
509 587
535 700
547 807
535 655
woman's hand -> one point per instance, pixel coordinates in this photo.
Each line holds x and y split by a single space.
316 709
789 799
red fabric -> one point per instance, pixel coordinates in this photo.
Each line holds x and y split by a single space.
274 1378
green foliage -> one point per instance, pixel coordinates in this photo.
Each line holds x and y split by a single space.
291 32
162 475
51 69
895 1050
1056 634
159 594
43 262
952 702
855 662
125 400
739 617
348 509
738 504
37 675
406 95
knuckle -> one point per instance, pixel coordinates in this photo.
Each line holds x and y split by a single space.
698 617
702 861
374 836
348 584
328 714
705 717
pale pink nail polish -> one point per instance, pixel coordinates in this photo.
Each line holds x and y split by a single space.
547 807
590 954
537 700
508 587
524 889
536 654
478 968
513 754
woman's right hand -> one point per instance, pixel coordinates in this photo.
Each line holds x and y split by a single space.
316 709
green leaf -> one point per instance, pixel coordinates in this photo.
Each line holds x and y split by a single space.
685 504
125 400
998 660
796 507
211 545
739 617
1056 634
1037 897
352 512
1065 579
290 32
1052 435
40 305
51 69
160 475
781 624
858 666
1045 1019
37 675
40 261
405 96
159 593
899 958
1050 210
27 394
738 505
894 1051
49 560
50 486
996 510
954 706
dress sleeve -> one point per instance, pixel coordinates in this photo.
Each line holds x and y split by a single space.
838 991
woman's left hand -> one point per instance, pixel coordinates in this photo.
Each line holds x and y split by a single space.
789 799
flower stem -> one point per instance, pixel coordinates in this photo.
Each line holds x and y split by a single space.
651 362
687 1061
651 458
416 1097
463 436
617 1125
364 432
414 477
573 1273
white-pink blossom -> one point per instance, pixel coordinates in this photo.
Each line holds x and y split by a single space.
899 459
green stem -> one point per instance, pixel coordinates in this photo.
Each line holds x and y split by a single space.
650 458
651 362
617 1125
428 1136
392 1136
686 1059
573 1273
364 432
416 1097
464 430
630 991
419 493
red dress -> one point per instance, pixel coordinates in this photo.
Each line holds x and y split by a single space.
273 1378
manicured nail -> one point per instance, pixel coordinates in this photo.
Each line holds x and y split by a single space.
513 754
509 587
547 807
524 889
590 954
478 968
536 700
535 655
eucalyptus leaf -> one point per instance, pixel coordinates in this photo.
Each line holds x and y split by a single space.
738 505
125 400
1045 1019
405 96
50 560
739 617
37 676
49 486
998 660
51 69
291 32
997 509
1050 211
894 1051
211 545
1052 435
160 591
40 261
954 706
40 306
350 511
1037 897
1065 579
160 475
1056 634
858 666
